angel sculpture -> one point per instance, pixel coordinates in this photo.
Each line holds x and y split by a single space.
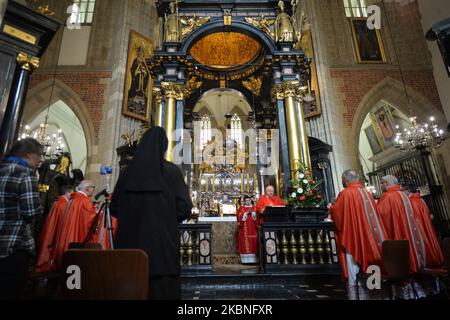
192 23
263 23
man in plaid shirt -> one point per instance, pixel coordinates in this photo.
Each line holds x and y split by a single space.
19 208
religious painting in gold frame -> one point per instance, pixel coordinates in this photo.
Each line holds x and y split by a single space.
384 124
137 98
368 43
311 101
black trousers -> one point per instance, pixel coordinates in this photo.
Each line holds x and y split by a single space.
13 275
165 288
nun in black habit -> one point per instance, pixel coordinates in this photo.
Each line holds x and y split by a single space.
149 201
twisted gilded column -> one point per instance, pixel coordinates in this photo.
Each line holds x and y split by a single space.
297 136
157 99
26 64
172 93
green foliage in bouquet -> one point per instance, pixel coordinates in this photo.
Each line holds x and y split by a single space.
304 191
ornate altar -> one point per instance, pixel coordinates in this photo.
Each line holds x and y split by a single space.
220 186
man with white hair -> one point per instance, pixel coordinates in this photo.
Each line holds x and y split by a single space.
397 214
359 231
78 220
269 199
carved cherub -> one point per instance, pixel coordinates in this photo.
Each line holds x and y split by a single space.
263 23
192 23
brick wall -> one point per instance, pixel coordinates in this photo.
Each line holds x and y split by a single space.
89 86
353 85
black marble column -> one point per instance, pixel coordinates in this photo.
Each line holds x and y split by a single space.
16 103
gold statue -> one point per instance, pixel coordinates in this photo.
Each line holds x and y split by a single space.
284 27
264 24
172 31
128 138
192 23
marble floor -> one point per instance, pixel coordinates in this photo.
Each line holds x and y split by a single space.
247 283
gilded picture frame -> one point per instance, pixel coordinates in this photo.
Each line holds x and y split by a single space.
384 124
137 98
312 106
368 43
374 140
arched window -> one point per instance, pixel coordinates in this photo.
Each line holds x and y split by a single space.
355 8
82 11
205 135
236 130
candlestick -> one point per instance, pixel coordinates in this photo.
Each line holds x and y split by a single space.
242 183
255 183
200 183
248 182
207 186
214 183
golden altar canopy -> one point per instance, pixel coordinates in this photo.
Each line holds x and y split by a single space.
225 50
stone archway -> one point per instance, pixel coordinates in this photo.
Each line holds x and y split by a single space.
393 92
52 91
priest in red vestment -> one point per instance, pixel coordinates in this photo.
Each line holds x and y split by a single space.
78 220
247 232
434 255
359 231
398 216
51 230
268 200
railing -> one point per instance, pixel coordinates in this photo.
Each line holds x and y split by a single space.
196 247
296 246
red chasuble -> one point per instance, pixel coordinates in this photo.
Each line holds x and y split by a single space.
247 232
266 201
76 224
434 256
359 229
398 217
50 232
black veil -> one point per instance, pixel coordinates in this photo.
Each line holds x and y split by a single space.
145 172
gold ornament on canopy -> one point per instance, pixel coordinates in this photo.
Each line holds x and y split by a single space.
192 23
225 50
263 23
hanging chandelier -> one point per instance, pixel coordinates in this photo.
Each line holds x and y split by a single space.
52 141
419 136
416 136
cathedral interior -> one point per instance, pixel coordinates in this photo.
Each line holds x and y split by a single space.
308 80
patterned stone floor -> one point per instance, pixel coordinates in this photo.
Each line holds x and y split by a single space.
246 283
